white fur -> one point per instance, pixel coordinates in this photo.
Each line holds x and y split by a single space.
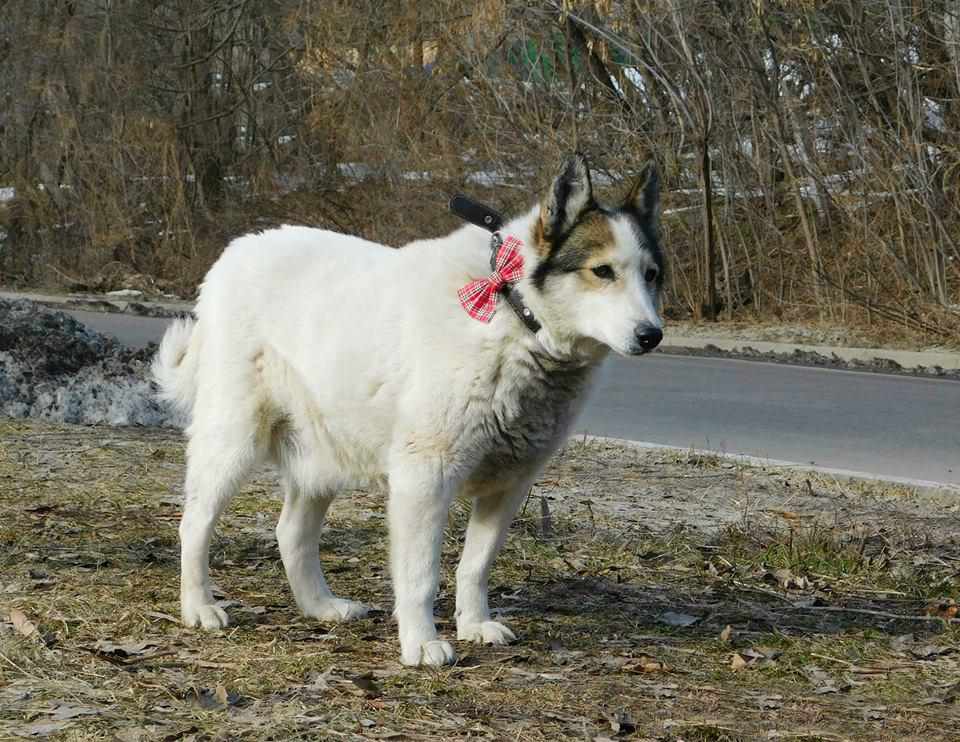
345 362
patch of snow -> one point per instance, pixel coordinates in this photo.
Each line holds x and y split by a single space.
416 175
603 179
636 78
7 193
933 114
488 178
833 42
680 210
55 368
355 170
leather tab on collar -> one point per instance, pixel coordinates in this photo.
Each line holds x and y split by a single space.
522 310
476 213
510 293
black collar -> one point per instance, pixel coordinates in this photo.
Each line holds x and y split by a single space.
487 218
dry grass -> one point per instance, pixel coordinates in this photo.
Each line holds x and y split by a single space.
621 606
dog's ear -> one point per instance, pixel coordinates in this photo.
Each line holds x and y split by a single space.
644 195
569 196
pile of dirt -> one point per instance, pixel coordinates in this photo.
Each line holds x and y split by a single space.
54 368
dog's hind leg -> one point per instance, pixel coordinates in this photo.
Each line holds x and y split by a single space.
298 534
490 520
417 509
216 465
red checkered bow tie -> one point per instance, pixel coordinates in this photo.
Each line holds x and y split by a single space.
479 297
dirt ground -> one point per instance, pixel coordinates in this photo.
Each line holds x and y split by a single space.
656 595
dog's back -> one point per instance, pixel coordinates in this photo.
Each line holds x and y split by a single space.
307 340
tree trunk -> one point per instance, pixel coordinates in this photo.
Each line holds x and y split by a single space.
709 243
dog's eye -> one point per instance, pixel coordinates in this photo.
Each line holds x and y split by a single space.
605 272
651 275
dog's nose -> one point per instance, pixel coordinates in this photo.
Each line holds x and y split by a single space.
648 337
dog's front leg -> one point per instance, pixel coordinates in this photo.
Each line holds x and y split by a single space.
490 520
418 507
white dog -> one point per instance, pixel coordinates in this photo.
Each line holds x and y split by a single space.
343 361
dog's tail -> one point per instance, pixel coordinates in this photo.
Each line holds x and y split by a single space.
174 368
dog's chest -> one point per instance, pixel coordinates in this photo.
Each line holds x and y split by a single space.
529 412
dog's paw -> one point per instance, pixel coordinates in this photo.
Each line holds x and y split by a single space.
485 632
434 653
335 610
209 616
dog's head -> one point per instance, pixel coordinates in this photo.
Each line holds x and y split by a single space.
599 268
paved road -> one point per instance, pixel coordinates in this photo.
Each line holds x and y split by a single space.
891 426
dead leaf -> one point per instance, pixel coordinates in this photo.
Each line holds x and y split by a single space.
823 682
218 698
642 664
677 619
754 657
221 695
738 661
762 652
23 625
946 609
127 649
787 580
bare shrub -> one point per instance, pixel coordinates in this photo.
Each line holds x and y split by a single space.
810 151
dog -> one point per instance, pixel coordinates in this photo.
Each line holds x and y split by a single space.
345 362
